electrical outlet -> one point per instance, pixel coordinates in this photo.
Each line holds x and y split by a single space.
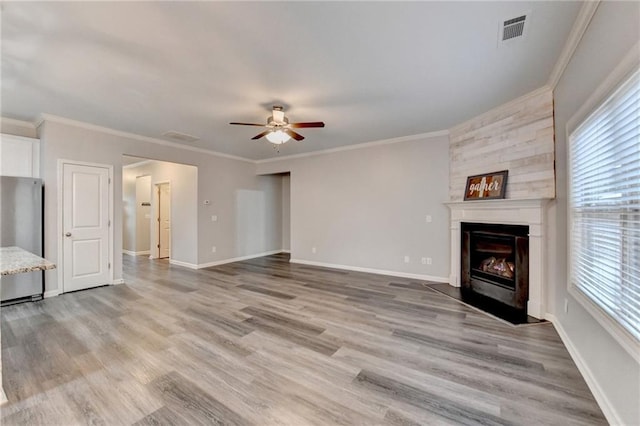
424 260
213 249
406 259
313 250
429 261
428 218
566 306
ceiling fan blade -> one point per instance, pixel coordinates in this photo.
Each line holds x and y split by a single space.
263 134
309 124
248 124
296 136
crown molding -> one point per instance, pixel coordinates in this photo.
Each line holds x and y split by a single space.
21 123
359 146
580 25
67 121
38 121
75 123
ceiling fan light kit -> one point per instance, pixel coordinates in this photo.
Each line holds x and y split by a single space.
279 129
278 137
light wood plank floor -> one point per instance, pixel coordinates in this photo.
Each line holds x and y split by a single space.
265 342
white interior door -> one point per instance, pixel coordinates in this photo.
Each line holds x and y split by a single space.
85 218
164 220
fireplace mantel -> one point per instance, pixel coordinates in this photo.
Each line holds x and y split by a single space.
531 213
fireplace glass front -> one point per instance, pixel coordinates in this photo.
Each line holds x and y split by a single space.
495 263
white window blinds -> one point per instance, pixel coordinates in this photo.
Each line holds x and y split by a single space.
604 202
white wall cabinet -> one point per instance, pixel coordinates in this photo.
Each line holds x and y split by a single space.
19 156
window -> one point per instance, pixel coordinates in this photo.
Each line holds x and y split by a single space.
604 206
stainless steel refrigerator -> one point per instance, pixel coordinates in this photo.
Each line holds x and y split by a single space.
21 226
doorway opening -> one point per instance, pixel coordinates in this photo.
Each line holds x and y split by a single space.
160 200
280 227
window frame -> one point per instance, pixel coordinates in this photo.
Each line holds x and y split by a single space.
618 77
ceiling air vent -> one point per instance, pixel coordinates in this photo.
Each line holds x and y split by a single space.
180 137
512 29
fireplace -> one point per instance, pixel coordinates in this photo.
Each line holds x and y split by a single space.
495 265
530 213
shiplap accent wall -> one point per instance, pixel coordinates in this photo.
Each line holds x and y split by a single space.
517 136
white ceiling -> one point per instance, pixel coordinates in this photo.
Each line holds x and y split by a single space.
369 70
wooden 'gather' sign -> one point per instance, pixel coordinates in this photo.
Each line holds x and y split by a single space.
486 187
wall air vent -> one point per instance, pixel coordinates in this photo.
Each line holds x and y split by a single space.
180 137
513 28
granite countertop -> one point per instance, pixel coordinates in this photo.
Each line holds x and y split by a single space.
14 260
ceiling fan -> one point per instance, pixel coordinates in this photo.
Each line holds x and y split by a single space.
279 129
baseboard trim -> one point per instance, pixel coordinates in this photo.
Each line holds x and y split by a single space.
3 396
601 398
118 281
52 293
183 264
135 253
313 263
237 259
373 271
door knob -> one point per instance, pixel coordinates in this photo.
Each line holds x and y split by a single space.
68 234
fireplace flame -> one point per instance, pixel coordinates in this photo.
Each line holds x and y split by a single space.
498 267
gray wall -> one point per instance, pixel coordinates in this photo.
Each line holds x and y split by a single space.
221 180
366 207
610 35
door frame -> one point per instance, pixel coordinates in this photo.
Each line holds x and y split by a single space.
60 264
154 235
